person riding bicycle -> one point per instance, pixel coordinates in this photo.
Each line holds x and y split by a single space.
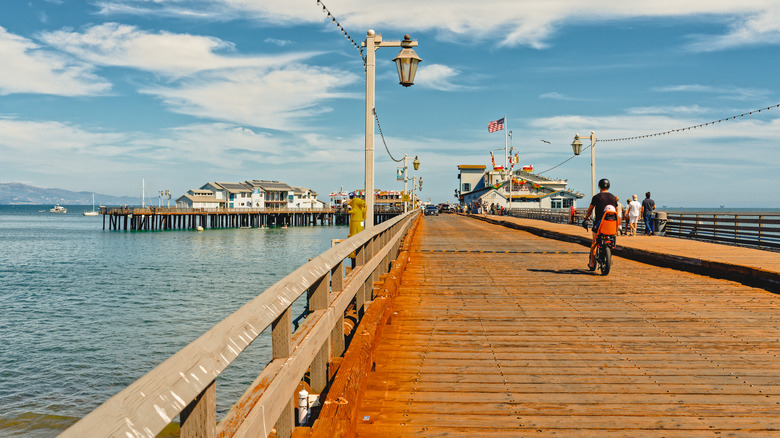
597 206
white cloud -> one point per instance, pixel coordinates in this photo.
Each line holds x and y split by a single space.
757 28
725 91
27 68
648 110
554 95
438 77
530 23
175 55
277 99
278 42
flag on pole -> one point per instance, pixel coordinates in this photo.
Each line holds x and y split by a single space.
493 159
496 125
528 168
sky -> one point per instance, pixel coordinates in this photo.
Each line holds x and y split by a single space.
100 95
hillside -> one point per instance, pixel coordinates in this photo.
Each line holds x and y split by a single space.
22 194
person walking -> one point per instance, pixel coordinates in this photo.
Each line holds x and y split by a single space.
597 206
634 208
648 205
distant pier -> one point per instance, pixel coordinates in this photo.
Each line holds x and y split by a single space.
162 218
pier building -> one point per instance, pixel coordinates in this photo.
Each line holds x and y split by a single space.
251 194
526 189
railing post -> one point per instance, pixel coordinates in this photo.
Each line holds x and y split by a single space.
199 418
337 335
281 342
760 226
318 300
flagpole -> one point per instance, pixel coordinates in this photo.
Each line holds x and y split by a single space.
506 129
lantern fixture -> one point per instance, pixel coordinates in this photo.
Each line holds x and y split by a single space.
407 61
416 163
576 144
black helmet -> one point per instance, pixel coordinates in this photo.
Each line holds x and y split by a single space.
604 184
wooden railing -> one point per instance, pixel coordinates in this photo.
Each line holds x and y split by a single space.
184 384
758 229
741 228
185 210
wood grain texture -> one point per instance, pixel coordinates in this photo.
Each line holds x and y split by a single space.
534 344
337 416
149 404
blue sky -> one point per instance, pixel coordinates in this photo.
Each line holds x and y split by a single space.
97 94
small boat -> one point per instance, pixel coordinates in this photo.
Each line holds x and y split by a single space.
58 209
93 212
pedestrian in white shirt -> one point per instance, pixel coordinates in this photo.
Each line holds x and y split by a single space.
634 208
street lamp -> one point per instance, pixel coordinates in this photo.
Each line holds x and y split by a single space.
416 180
576 145
416 164
406 61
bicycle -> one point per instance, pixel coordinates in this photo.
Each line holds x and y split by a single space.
606 240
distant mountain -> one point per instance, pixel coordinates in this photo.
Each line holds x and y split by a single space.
21 194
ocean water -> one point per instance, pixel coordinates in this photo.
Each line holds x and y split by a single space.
85 312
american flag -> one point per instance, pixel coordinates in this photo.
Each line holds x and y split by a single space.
496 125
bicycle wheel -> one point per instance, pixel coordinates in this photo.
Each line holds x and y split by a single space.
606 263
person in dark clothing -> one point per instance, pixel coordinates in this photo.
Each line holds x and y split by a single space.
648 205
597 206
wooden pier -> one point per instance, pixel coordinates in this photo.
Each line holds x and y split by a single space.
497 332
489 327
161 218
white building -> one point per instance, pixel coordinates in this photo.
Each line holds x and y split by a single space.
254 194
305 198
525 190
198 199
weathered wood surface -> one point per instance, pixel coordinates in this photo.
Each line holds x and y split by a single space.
343 400
147 405
744 264
531 343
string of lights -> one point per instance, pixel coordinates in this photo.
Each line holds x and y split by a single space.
342 30
360 51
671 131
376 117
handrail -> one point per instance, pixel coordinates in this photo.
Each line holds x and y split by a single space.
745 228
184 383
189 210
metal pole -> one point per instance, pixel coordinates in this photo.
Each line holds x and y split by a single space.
593 163
369 180
406 203
506 151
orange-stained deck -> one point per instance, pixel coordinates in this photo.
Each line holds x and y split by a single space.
530 343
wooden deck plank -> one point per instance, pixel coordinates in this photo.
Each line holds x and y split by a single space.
531 344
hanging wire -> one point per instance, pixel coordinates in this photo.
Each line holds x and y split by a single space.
342 30
376 117
360 51
701 125
563 162
671 131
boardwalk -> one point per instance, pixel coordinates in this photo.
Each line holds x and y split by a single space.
529 343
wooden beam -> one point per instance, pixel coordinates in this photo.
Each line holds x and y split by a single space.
199 418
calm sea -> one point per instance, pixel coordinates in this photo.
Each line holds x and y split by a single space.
85 312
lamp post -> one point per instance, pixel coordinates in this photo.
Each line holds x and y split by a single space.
415 181
406 61
576 145
416 164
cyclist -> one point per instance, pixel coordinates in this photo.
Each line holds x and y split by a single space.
597 206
